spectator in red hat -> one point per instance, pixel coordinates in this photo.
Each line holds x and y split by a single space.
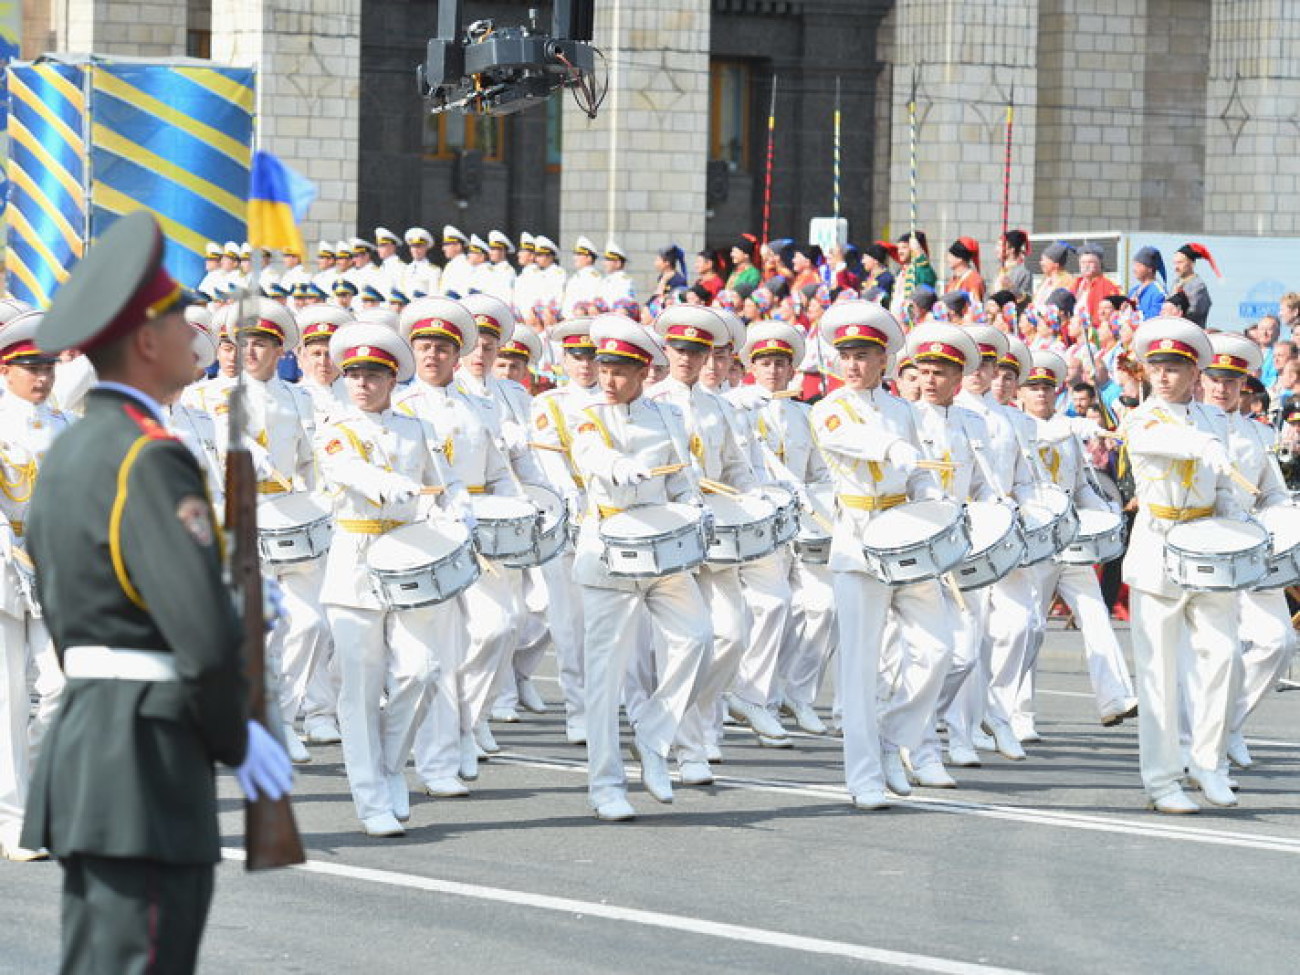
964 269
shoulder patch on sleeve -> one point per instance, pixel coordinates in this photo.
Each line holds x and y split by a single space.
832 422
587 427
195 516
334 446
542 422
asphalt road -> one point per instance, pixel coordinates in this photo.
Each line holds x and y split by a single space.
1049 865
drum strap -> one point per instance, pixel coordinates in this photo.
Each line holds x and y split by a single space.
600 426
867 502
271 487
873 467
1051 460
606 512
1179 514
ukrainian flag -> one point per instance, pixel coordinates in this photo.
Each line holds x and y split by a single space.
279 198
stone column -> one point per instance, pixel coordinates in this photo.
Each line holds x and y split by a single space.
637 172
964 59
119 27
308 59
1252 171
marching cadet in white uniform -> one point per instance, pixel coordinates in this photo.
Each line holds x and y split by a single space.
363 271
480 270
583 285
1005 613
457 274
325 275
555 415
499 277
280 426
205 395
441 331
690 333
618 444
320 376
548 287
196 429
1268 638
507 408
214 277
617 289
1062 459
392 269
1182 471
377 462
784 436
951 434
295 272
421 277
870 443
27 428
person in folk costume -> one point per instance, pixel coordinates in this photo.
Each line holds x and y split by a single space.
964 269
1148 293
1189 283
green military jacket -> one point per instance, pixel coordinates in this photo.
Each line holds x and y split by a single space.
127 555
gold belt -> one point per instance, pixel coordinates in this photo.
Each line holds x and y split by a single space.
369 526
605 512
1179 514
477 489
272 487
866 502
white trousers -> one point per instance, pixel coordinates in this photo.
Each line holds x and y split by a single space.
1268 643
614 617
383 657
26 646
918 623
438 737
967 637
1079 587
564 619
810 634
531 642
299 648
1206 623
766 586
493 607
702 724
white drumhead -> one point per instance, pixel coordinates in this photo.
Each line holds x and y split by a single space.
743 510
777 495
413 546
1218 535
289 511
493 507
649 520
548 502
989 522
914 521
1093 522
1283 523
1047 497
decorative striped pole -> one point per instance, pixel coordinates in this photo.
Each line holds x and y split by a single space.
1006 164
767 177
911 150
835 175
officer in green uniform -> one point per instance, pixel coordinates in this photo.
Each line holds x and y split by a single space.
128 563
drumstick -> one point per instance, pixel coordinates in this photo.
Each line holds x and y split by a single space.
821 520
281 480
547 446
936 465
787 394
957 594
1240 480
432 489
717 487
665 469
485 564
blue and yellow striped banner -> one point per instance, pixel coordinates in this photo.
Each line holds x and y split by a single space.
176 141
47 172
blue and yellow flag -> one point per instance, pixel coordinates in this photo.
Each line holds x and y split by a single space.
278 199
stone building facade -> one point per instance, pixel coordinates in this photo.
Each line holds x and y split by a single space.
1159 115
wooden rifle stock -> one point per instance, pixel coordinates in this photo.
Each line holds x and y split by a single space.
270 834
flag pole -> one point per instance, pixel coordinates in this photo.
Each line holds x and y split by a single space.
767 178
835 173
1006 163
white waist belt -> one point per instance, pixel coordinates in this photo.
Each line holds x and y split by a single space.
116 663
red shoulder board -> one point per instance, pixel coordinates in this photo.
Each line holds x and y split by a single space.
150 427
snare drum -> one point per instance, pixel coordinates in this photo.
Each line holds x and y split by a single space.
996 546
1282 522
292 528
422 564
653 540
1216 554
744 528
813 543
786 503
916 541
1048 523
1100 539
507 526
553 534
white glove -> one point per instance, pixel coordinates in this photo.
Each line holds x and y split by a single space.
397 488
513 439
468 519
266 772
750 397
1215 456
627 472
272 602
903 455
